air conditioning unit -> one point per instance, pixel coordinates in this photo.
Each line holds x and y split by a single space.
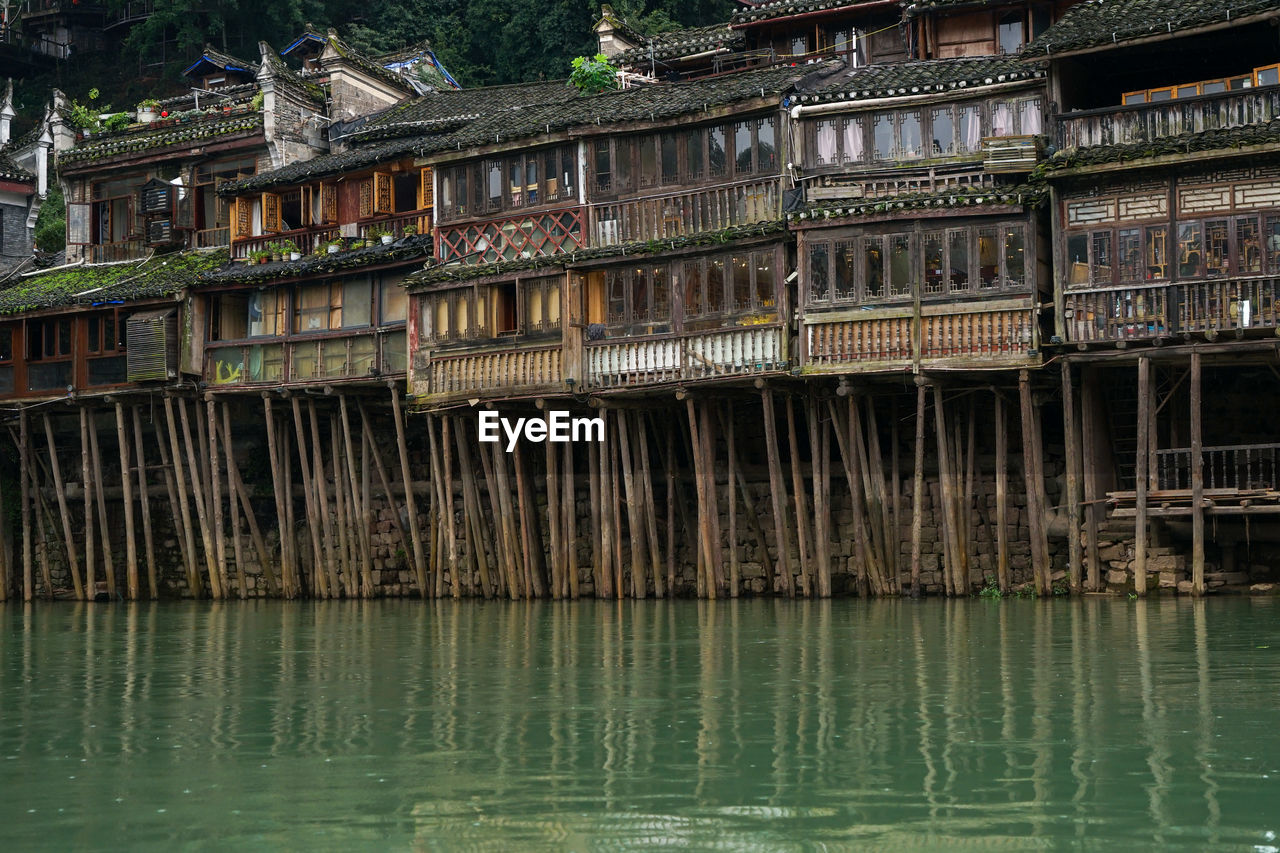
159 232
152 345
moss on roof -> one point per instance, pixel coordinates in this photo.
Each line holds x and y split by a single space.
153 138
404 250
158 277
1098 23
1022 194
770 10
1222 139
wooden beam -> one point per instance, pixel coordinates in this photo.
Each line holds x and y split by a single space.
148 537
1093 510
60 490
1197 479
126 482
1002 493
1034 485
1071 430
1141 477
917 490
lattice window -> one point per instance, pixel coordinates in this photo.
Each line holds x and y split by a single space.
241 218
426 195
383 196
328 204
270 213
366 198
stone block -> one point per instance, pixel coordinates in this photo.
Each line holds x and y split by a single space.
1262 588
1184 587
1117 578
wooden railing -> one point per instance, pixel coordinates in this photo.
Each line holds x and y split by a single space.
369 354
664 215
976 334
307 240
742 351
1244 467
418 219
213 238
1145 122
1011 154
1154 311
504 370
126 250
886 186
545 232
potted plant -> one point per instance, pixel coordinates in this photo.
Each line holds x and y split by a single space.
290 248
275 251
259 256
335 246
148 110
409 230
382 234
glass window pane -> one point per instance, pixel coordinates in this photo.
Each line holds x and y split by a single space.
693 157
568 172
357 303
1010 32
846 271
825 134
766 146
819 280
1190 249
494 184
764 279
741 265
942 128
1002 119
95 333
1077 259
515 174
1029 117
873 267
882 135
910 145
988 257
648 161
717 158
1157 252
742 148
1015 263
852 132
934 261
1102 257
639 295
958 259
661 295
1248 253
1129 248
395 302
618 285
693 287
715 286
900 264
604 172
1216 247
670 159
969 139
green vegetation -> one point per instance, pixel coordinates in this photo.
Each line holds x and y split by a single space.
592 75
51 224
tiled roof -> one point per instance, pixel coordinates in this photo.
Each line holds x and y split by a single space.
682 43
368 66
919 7
772 9
1096 23
428 113
318 168
239 94
224 61
1225 140
10 170
466 272
151 138
403 250
918 78
1022 194
155 278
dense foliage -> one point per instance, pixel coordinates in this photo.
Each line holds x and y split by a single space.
479 41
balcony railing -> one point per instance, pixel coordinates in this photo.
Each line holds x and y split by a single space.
1243 467
672 215
125 250
369 354
546 232
213 238
1145 122
1155 311
419 220
505 370
731 352
307 240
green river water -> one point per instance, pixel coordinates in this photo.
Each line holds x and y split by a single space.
748 725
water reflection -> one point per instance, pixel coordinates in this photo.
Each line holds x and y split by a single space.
742 725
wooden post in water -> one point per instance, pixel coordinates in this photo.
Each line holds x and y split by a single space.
801 503
342 522
215 491
597 520
24 472
777 494
197 494
238 491
1034 484
359 509
1089 438
555 523
946 498
126 483
410 500
455 579
144 495
1002 492
1197 480
60 489
471 506
669 464
288 572
1071 427
895 510
437 508
1140 477
917 488
570 535
707 434
103 523
334 554
319 577
184 509
878 499
651 512
706 587
86 479
732 496
635 508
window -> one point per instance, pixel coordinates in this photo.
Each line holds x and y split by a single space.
766 147
510 183
716 156
958 259
846 270
743 161
943 132
934 262
1248 245
393 302
1216 248
1129 245
1101 268
1011 32
540 309
48 354
970 138
900 265
819 277
1002 120
827 153
873 267
882 136
1014 257
1190 249
648 173
356 305
1157 253
851 139
6 359
909 138
1029 117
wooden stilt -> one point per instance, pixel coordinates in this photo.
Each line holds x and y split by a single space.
1089 409
455 580
239 493
917 489
595 497
60 490
669 464
502 548
370 449
1197 480
570 535
475 516
732 497
144 494
706 585
1071 428
179 475
878 499
233 517
104 525
615 508
215 490
301 582
635 506
873 550
343 523
1034 485
126 483
410 501
1140 479
289 582
895 508
332 554
946 472
777 495
45 574
512 546
650 510
801 504
529 535
555 523
970 497
24 473
438 556
357 505
821 581
319 576
1002 493
6 576
852 474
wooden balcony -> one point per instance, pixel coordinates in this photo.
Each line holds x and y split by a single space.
213 238
545 232
307 240
1144 312
1145 122
743 351
420 220
502 371
1238 467
125 250
1002 333
664 216
370 354
1011 154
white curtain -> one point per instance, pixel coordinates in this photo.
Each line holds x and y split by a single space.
827 142
1029 119
852 140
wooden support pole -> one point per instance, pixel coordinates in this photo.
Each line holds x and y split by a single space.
333 553
410 501
475 516
535 563
178 474
635 508
842 426
917 490
215 490
706 585
555 523
570 535
319 576
1140 477
803 529
126 483
241 493
873 551
513 550
6 576
895 509
969 496
878 499
669 464
1034 484
148 537
650 513
369 447
358 507
1197 479
1071 428
455 579
24 473
108 559
344 525
615 507
288 573
716 577
946 497
502 548
60 489
439 552
777 494
732 497
1002 493
595 498
233 520
1093 511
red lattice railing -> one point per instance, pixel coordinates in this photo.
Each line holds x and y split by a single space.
547 233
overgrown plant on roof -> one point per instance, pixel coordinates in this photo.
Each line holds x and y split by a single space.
593 75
